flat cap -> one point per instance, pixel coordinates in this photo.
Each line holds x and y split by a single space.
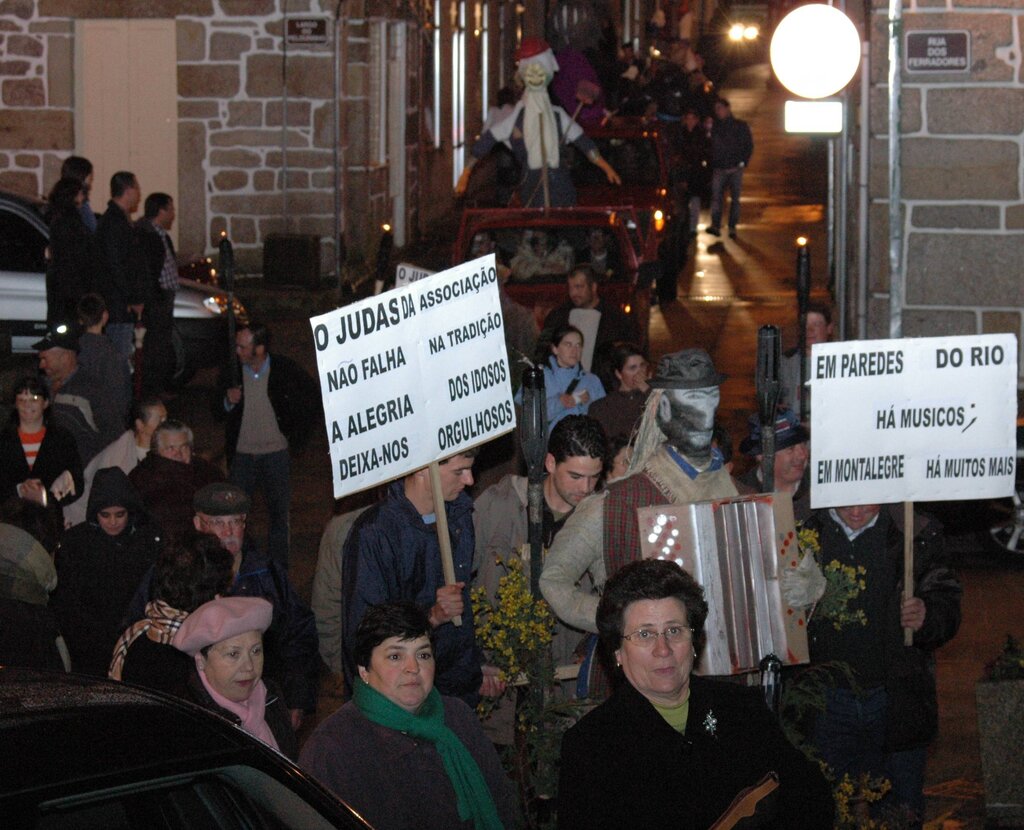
221 619
221 499
687 369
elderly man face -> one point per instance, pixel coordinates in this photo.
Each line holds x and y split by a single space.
687 418
229 529
175 446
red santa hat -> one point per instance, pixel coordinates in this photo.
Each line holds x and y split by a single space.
536 50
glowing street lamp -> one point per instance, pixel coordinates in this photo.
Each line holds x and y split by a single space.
815 51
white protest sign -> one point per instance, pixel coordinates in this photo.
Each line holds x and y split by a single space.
414 375
406 273
917 419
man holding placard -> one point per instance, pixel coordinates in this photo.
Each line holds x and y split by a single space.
923 419
393 553
880 721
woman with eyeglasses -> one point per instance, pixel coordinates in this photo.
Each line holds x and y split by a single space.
40 469
671 749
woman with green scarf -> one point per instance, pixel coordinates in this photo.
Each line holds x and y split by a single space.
400 754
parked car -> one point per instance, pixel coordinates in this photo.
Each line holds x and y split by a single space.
200 311
541 246
80 752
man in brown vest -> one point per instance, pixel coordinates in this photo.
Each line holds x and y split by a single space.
673 463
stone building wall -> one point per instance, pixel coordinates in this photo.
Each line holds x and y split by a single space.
962 176
242 168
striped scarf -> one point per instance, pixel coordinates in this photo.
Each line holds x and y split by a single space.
160 625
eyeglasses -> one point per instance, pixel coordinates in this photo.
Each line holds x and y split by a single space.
647 637
26 398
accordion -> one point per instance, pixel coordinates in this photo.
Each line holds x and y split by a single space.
737 549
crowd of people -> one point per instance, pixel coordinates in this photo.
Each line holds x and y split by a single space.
130 556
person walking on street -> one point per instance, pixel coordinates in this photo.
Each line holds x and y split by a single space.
731 148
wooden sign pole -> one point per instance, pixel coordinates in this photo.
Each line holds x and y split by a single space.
908 563
443 539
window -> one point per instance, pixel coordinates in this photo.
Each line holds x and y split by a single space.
436 79
483 32
379 91
21 245
233 797
458 91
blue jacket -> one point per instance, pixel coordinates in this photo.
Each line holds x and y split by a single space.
391 554
291 646
556 382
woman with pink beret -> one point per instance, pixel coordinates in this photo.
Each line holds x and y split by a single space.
225 638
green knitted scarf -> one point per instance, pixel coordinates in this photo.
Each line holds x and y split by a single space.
471 791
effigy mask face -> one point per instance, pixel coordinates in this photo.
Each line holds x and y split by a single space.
687 417
535 76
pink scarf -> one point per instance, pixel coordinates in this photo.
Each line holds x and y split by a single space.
250 711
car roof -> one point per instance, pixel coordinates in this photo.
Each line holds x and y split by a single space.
54 727
31 209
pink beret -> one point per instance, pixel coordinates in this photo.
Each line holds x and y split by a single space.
221 619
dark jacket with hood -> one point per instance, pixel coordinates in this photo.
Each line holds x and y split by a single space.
97 573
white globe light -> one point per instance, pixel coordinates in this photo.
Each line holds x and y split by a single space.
815 51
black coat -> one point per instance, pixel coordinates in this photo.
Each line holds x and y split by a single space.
74 266
122 279
624 766
291 655
98 573
56 454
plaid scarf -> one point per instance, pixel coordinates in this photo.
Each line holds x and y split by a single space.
160 625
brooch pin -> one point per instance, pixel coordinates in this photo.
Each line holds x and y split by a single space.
710 723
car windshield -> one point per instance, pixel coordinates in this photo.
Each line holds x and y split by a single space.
21 245
634 158
548 254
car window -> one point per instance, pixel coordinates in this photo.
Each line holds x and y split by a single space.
22 246
233 798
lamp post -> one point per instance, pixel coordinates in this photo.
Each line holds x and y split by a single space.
815 52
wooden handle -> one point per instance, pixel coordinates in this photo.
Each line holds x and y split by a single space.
908 563
745 803
443 539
